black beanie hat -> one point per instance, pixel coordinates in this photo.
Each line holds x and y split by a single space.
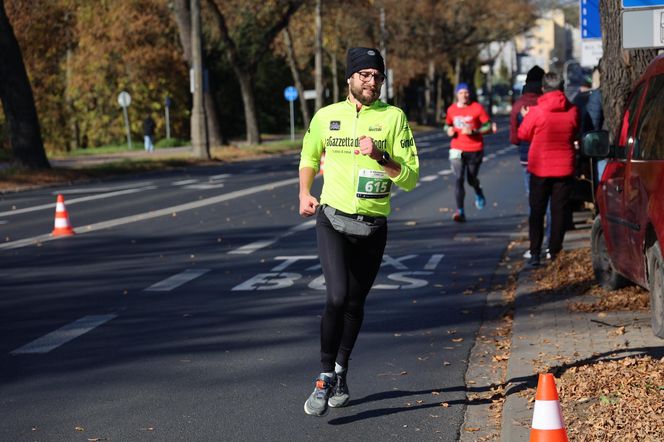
535 74
534 81
363 58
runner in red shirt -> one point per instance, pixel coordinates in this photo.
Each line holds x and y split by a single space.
466 121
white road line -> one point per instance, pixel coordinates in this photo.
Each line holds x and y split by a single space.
220 176
429 178
102 189
184 182
257 245
150 215
176 281
205 186
63 335
78 200
445 172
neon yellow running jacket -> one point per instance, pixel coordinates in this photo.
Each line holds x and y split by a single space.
355 183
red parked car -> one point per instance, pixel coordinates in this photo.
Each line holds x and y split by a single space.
628 234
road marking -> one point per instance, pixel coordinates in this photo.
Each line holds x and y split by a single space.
428 178
184 182
63 335
205 186
433 262
78 200
176 281
168 211
102 189
257 245
445 172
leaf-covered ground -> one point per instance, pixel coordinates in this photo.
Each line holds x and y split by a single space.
610 400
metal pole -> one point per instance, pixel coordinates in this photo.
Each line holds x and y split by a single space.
292 121
126 120
168 124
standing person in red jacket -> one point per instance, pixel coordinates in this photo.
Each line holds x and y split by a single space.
551 127
466 121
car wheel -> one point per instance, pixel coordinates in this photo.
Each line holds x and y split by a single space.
656 285
605 274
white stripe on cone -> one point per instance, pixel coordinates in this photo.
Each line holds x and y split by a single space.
61 222
547 416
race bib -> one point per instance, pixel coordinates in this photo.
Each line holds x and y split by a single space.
455 154
373 184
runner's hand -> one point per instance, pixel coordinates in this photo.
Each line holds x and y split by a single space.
367 147
450 131
308 205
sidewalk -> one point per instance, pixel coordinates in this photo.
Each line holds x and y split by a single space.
545 333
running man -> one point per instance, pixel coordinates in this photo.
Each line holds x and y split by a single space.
368 146
466 121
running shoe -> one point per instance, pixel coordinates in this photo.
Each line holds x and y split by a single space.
527 254
316 405
480 201
340 394
459 217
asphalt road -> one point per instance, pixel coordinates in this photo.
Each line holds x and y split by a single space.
187 307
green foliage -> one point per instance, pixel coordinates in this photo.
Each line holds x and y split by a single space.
171 142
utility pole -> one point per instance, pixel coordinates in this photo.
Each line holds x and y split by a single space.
199 135
319 55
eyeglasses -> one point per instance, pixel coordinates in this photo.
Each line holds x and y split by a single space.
367 76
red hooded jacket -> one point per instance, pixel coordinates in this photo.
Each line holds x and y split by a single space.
551 127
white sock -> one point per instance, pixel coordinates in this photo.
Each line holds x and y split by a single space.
338 368
330 375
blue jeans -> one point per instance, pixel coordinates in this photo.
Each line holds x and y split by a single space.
149 147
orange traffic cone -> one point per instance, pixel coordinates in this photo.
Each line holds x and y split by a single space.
62 225
321 168
548 425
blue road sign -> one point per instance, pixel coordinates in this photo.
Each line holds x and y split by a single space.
590 26
642 3
290 93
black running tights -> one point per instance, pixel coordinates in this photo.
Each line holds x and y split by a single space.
350 266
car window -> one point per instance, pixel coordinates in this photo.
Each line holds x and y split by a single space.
628 121
649 144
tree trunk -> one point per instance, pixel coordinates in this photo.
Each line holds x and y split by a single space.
18 102
290 52
439 99
619 68
428 91
246 80
335 78
318 55
183 20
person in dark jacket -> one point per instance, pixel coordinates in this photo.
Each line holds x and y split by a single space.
551 127
148 133
532 90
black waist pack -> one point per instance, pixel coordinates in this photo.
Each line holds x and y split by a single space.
360 226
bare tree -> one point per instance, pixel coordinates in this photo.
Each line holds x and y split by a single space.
318 56
18 102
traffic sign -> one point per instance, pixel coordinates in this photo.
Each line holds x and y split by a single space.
642 3
643 28
290 93
590 23
124 99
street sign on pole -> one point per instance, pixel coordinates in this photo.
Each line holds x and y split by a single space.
643 28
642 3
290 94
124 100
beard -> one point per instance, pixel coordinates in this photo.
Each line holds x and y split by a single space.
365 93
